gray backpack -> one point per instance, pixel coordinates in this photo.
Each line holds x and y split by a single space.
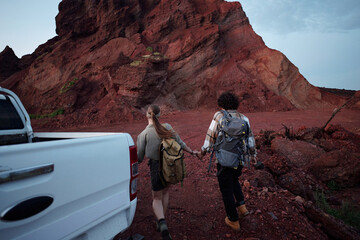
230 145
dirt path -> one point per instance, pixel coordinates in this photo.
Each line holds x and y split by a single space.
196 209
193 124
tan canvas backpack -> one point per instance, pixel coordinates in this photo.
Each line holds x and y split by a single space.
172 165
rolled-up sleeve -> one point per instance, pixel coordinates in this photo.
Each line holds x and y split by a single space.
250 140
212 132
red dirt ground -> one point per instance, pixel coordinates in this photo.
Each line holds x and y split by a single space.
196 209
193 124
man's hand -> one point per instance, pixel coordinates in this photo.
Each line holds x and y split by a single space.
199 155
253 159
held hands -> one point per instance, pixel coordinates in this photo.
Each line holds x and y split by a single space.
200 155
195 153
192 152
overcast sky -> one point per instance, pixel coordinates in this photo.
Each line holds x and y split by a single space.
321 37
25 24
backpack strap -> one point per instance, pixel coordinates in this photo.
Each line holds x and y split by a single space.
210 161
225 113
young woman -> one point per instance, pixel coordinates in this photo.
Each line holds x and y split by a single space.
148 144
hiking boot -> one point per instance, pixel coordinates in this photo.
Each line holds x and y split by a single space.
157 225
234 225
165 235
242 211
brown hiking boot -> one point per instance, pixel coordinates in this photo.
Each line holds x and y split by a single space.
242 211
234 225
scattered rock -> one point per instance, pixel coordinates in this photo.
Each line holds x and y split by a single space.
299 200
246 184
273 215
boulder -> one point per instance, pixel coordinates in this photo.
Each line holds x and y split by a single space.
298 153
277 164
340 166
261 178
298 183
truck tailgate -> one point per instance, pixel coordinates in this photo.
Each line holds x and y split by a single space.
79 183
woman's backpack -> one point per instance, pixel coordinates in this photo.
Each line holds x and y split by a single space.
172 165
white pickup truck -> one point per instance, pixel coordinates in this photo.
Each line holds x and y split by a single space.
63 185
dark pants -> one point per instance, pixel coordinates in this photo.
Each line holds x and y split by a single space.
230 188
156 183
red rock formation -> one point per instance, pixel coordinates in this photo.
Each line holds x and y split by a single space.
9 63
112 58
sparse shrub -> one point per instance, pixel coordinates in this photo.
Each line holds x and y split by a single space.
333 186
321 201
268 136
347 212
55 113
67 86
41 56
136 63
289 132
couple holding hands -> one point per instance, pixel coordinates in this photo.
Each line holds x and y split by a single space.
148 142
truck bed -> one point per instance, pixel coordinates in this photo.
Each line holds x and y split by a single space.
81 182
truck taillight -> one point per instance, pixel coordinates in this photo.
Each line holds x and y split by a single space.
134 171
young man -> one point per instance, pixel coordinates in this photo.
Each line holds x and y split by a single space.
228 177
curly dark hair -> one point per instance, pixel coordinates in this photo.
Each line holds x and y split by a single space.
228 101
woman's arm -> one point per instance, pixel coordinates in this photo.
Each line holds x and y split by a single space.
181 142
140 143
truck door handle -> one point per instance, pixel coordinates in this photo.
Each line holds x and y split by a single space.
27 208
18 174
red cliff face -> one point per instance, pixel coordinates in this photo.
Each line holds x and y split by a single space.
112 58
9 63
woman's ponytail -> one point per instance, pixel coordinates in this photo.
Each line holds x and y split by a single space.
154 112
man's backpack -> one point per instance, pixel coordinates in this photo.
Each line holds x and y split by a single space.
230 145
172 165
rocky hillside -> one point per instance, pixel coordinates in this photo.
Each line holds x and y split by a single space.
112 58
